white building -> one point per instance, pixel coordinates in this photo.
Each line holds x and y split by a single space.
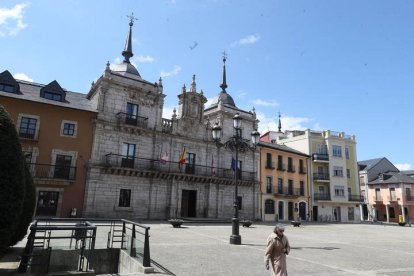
135 169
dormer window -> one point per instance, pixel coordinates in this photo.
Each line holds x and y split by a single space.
8 83
53 91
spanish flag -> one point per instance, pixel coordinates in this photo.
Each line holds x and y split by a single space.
183 156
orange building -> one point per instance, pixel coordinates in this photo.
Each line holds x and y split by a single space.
55 130
283 183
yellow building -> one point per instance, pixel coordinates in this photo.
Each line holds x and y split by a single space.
283 183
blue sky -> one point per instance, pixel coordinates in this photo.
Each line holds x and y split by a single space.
340 65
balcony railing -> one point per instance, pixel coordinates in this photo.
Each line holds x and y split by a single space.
409 197
270 165
27 135
356 198
115 160
392 198
320 157
324 196
321 176
291 168
52 171
378 198
133 120
302 170
288 191
281 167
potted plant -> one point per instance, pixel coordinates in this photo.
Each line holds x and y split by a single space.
176 222
246 222
296 222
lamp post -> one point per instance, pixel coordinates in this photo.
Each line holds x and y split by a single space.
236 144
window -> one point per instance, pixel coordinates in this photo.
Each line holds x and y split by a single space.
301 166
378 194
27 128
280 162
128 155
63 166
408 194
393 196
280 185
290 187
131 114
302 188
269 185
351 214
52 96
321 149
125 198
269 206
239 202
290 165
237 132
339 191
7 88
337 151
190 163
347 153
268 160
338 171
69 128
348 173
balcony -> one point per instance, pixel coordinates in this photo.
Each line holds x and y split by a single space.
143 166
302 170
322 196
392 198
281 167
291 168
52 172
270 165
324 157
378 198
321 177
409 197
356 198
286 191
132 120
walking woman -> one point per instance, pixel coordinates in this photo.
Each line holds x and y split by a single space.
277 249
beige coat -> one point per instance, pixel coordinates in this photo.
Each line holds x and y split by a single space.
276 251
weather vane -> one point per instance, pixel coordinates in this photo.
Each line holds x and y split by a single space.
132 18
224 56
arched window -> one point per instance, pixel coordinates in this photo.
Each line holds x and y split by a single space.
269 206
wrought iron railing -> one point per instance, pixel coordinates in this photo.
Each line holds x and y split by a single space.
409 197
321 176
287 191
270 165
52 171
356 198
116 160
320 196
320 156
281 167
291 168
302 170
133 120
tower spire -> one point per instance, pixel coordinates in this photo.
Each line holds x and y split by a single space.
127 52
280 124
223 84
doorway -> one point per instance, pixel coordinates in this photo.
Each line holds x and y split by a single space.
47 203
302 210
290 210
189 203
315 213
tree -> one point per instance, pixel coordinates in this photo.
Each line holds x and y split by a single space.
12 180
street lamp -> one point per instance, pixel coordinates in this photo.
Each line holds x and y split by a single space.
236 143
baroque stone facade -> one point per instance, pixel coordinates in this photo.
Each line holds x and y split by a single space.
144 166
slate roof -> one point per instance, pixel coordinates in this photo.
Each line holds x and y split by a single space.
282 148
393 177
31 92
368 164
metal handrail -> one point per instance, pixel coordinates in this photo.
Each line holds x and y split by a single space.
52 171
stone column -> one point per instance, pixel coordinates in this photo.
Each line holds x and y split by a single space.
388 212
403 213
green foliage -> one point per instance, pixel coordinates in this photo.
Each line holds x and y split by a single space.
12 186
28 209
